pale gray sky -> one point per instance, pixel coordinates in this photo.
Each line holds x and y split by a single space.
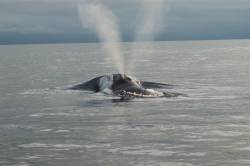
28 21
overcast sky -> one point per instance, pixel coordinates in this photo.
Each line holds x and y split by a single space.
42 21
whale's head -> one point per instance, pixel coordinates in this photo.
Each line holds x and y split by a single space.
117 82
123 81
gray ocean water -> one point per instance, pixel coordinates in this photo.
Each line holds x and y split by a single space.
44 124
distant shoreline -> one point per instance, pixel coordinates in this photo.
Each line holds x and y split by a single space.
95 42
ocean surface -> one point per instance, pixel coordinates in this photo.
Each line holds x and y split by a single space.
44 124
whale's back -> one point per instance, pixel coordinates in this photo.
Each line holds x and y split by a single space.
92 85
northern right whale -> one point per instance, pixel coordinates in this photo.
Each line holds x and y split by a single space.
125 86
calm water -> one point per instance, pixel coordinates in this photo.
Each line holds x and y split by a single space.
43 124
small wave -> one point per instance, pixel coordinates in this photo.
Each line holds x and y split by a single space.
157 163
141 150
62 131
225 133
194 154
46 130
41 145
47 91
63 146
247 148
54 114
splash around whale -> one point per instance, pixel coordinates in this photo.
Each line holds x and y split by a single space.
125 86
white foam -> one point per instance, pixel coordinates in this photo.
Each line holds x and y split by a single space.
155 93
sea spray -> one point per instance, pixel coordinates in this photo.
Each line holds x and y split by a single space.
94 15
149 25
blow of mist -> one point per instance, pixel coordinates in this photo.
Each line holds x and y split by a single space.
95 15
150 19
149 25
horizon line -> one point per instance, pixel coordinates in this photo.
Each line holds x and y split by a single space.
94 42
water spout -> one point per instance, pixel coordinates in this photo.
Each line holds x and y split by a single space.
94 15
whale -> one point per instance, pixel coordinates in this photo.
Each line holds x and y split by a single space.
125 86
